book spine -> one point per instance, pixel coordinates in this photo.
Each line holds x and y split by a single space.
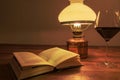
15 67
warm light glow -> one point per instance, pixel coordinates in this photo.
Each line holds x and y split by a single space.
77 12
77 25
78 16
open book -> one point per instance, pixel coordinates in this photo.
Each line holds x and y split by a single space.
28 64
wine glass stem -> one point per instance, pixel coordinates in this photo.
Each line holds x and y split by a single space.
107 56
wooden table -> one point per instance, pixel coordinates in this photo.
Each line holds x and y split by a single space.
90 71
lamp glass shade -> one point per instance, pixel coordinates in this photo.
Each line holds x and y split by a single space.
77 12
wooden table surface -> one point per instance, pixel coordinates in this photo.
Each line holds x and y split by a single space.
91 69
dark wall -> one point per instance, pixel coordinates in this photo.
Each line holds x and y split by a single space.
35 22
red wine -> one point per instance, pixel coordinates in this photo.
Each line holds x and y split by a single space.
107 32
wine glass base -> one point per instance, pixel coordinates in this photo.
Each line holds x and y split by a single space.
107 65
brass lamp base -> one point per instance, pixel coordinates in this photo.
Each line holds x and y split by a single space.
79 46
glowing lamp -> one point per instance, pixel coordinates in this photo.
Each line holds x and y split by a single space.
79 17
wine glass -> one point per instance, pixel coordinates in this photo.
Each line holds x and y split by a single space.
108 25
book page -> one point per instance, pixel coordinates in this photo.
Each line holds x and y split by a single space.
28 59
69 63
57 55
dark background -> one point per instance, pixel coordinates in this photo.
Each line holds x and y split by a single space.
35 22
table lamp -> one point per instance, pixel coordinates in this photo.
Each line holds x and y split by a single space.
79 17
